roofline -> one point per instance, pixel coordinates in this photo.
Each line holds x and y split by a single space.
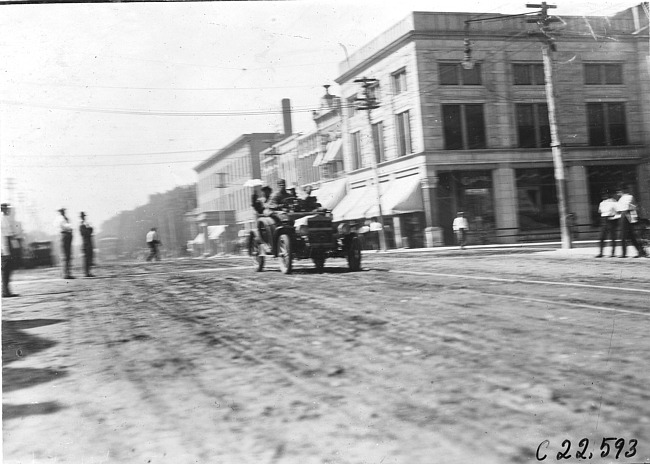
410 28
239 141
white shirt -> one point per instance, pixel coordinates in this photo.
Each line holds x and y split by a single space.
460 223
63 224
608 209
151 236
625 203
8 227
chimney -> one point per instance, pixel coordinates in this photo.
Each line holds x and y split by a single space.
286 117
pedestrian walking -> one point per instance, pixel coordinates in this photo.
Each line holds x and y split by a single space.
460 227
609 219
86 231
626 206
153 242
65 228
8 237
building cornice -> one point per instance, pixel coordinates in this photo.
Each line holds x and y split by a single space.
232 146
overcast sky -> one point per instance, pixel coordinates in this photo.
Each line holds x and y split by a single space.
105 104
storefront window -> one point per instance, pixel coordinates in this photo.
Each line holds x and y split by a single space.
472 193
537 199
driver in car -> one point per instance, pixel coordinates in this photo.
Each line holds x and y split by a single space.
278 198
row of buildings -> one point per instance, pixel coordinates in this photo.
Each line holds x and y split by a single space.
454 134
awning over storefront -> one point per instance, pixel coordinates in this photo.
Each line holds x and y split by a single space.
334 151
215 231
199 239
399 196
330 194
355 204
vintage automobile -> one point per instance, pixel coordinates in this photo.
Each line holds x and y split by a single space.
292 233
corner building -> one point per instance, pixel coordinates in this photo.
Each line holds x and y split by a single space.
447 139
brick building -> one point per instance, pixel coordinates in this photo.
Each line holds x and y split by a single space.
222 197
448 138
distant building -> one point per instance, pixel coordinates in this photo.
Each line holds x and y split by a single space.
314 158
123 236
222 197
448 138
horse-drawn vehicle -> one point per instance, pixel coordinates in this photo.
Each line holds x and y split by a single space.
292 233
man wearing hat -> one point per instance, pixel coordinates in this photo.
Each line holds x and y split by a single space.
460 227
8 228
86 232
278 197
66 243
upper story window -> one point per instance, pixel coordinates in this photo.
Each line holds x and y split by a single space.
528 73
455 74
220 179
355 141
403 126
603 73
606 124
399 81
463 126
533 128
378 141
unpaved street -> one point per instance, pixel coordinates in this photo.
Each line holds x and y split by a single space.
447 357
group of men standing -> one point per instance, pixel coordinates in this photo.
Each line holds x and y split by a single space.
618 214
86 231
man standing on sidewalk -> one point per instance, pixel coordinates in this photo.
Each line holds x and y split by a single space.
8 229
66 243
152 243
609 218
626 206
460 227
86 232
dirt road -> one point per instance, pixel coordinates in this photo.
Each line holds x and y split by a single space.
476 356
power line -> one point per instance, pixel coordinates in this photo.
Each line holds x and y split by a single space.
173 89
130 154
138 112
32 166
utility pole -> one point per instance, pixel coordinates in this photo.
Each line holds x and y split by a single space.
544 21
368 103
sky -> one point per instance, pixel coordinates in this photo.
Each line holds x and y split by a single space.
102 105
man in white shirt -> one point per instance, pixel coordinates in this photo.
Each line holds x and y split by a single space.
609 218
152 243
8 230
65 228
461 226
626 207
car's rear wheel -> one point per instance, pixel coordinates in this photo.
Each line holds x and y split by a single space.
255 252
354 254
284 253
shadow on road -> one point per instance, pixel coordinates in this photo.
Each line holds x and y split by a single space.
11 411
16 378
17 344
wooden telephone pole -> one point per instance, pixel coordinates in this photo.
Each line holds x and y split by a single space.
368 103
544 21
